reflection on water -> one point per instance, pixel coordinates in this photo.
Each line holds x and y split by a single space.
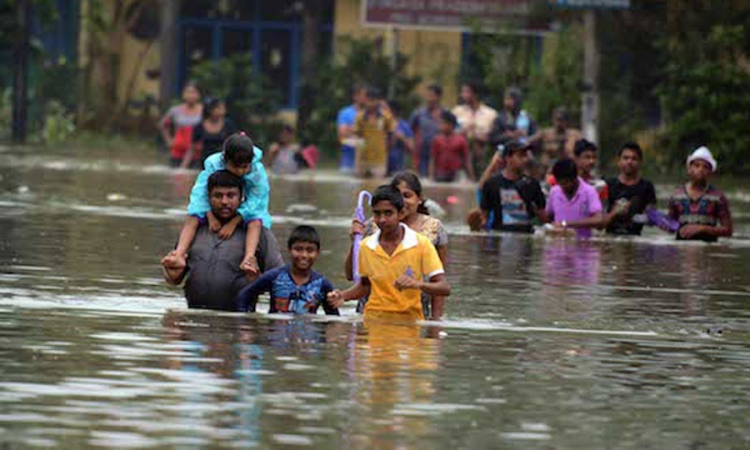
547 343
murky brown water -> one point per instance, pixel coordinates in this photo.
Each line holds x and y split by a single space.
546 343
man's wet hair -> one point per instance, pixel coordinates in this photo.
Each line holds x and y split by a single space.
224 178
583 145
513 147
633 147
562 113
565 169
304 233
436 89
475 87
388 193
239 149
449 118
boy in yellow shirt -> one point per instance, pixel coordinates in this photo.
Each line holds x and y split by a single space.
393 264
373 125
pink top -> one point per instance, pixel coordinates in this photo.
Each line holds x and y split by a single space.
584 204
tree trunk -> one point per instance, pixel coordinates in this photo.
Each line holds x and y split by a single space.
311 20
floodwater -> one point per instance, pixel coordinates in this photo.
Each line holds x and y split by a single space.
546 343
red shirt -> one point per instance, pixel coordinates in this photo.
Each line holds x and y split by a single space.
449 153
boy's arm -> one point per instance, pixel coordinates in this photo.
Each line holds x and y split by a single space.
213 223
438 306
492 167
248 297
175 268
329 309
187 235
252 238
357 227
257 195
227 230
595 221
361 289
436 286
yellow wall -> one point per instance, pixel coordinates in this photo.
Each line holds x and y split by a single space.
136 57
133 52
433 55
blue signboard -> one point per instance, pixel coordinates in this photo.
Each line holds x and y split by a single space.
591 4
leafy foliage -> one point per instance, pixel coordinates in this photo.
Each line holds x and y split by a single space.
706 99
365 62
251 100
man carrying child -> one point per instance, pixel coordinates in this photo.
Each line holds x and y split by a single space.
213 263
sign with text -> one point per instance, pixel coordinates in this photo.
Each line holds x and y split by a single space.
591 4
446 14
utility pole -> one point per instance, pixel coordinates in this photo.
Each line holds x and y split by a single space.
590 96
169 11
21 71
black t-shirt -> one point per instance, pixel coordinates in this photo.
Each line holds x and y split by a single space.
513 202
640 195
212 142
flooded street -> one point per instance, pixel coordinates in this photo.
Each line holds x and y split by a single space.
546 343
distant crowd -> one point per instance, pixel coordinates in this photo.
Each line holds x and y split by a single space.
529 176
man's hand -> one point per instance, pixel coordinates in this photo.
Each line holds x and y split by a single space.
174 265
356 228
407 282
622 207
227 230
335 298
689 231
213 223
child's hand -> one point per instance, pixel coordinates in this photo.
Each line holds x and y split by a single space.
335 298
174 261
407 282
250 266
227 230
356 228
213 223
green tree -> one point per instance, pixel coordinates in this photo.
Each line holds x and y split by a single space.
705 95
251 100
364 62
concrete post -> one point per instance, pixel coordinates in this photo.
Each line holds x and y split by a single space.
590 96
170 10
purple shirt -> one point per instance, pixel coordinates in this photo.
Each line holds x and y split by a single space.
584 204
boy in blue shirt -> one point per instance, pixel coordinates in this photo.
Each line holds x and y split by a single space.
294 288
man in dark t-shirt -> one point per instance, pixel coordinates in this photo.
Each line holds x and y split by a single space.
509 196
213 264
628 192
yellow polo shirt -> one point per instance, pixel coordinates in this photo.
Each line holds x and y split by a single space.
414 256
374 131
